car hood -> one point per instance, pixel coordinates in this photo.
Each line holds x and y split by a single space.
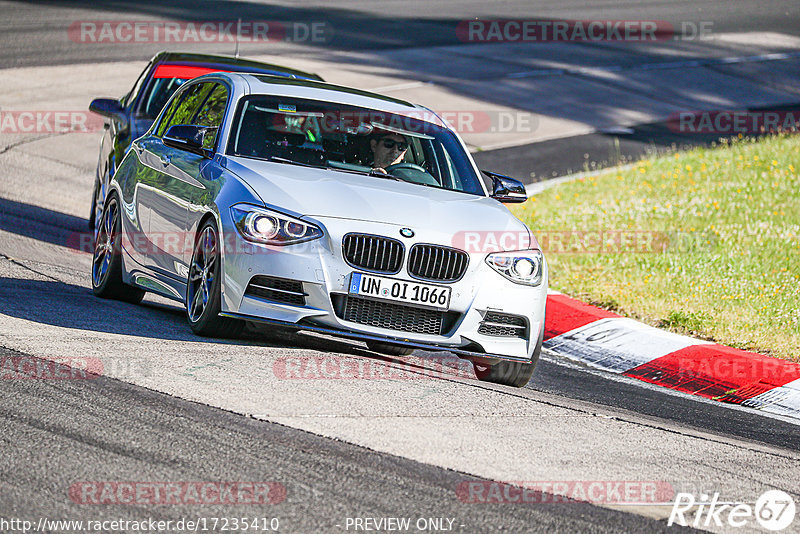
325 193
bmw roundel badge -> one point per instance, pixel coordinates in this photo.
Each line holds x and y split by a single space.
407 232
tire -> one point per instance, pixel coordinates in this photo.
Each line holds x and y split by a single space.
203 296
107 258
515 374
92 214
96 211
388 348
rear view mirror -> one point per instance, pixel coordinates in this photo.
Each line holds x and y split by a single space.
111 109
507 190
188 137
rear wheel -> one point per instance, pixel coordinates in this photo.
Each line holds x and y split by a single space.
107 259
388 348
203 295
515 374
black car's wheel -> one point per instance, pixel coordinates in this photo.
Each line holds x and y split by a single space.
203 300
516 374
96 211
92 215
388 348
107 260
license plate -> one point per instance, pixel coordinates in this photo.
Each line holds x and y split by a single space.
379 287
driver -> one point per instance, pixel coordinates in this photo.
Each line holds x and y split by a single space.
387 149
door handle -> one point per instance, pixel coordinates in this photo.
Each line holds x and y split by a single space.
165 159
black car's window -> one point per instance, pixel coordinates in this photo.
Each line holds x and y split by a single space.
211 114
157 95
184 112
338 136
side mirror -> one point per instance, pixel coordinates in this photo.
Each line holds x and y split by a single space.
188 137
507 190
112 109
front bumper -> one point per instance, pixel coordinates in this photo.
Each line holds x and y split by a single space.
325 276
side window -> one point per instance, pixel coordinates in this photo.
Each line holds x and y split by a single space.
162 127
190 101
211 114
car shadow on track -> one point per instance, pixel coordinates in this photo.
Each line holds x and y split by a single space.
72 306
42 224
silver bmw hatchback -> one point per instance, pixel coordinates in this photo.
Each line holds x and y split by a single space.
308 205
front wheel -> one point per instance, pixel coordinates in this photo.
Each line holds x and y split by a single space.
203 295
93 209
515 374
98 196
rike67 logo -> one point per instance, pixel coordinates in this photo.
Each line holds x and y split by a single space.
774 510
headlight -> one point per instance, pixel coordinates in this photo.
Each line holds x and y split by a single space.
521 267
271 227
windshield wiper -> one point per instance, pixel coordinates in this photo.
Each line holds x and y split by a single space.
277 159
371 172
378 174
406 180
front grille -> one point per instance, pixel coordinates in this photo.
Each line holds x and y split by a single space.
503 325
277 290
441 264
393 316
373 253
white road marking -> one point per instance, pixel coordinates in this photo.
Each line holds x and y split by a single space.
618 344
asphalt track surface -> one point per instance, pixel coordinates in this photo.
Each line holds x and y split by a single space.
55 433
103 429
33 32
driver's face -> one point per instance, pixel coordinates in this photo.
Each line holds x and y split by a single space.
383 156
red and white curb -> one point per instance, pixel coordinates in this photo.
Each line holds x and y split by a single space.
605 340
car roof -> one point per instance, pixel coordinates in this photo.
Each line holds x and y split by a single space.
229 63
328 92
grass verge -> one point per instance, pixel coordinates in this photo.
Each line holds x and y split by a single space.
705 242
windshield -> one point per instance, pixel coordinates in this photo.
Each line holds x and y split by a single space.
352 139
